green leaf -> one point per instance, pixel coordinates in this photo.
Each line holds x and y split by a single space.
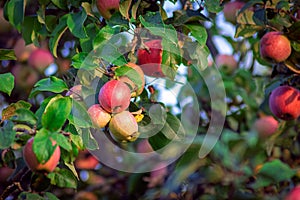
62 141
110 53
57 33
60 4
51 196
14 10
213 6
29 196
25 116
28 32
75 23
199 32
247 30
40 111
42 146
103 35
7 54
11 109
87 43
7 83
88 139
56 113
273 172
124 8
7 134
197 53
51 84
79 116
63 178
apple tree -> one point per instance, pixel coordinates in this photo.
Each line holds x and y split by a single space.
145 99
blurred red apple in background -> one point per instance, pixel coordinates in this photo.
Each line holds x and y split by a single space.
23 51
5 26
40 59
231 9
227 62
294 194
25 76
266 126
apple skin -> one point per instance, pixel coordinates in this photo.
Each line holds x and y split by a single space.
107 7
231 9
5 26
135 91
25 77
99 116
150 60
86 161
5 173
227 62
114 96
284 102
275 46
123 127
23 51
40 59
294 194
266 126
32 162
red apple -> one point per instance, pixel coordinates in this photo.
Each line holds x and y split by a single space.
144 146
5 173
107 7
284 102
114 96
135 90
25 77
33 163
124 127
75 92
23 51
99 116
5 26
294 194
86 161
231 9
275 46
266 126
227 62
150 59
40 59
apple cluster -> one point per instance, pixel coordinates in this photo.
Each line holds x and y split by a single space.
114 99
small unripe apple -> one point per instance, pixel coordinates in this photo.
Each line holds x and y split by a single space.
25 77
284 102
40 59
135 90
266 126
124 127
294 194
114 96
107 7
5 26
32 162
275 46
75 92
150 59
99 116
231 9
23 51
227 62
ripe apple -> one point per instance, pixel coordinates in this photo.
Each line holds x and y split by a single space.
294 194
23 51
107 7
284 102
32 162
135 90
266 126
86 161
99 116
227 62
231 9
275 46
5 173
114 96
25 77
150 59
75 92
40 59
124 127
5 26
